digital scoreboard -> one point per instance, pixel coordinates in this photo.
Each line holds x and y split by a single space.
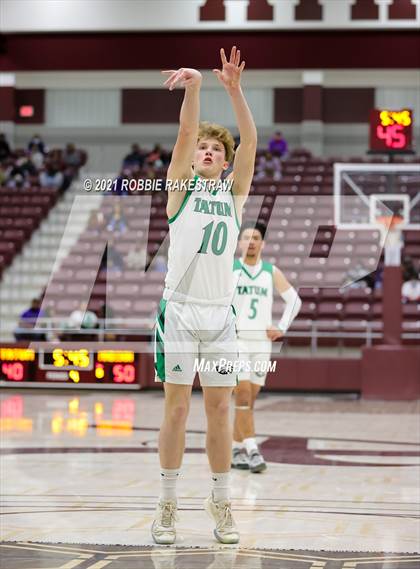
391 130
71 366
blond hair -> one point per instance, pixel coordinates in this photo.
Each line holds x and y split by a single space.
220 133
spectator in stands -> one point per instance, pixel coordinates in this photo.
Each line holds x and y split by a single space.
410 290
112 260
28 320
135 158
5 151
117 222
97 222
82 318
24 166
51 177
408 268
17 181
155 158
72 157
36 143
268 166
37 159
357 277
117 186
136 258
278 145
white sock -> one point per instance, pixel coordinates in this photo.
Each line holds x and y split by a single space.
221 485
251 445
236 444
168 480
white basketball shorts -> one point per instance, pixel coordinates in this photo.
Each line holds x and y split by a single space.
196 338
254 356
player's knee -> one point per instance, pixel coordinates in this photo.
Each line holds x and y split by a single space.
243 397
219 410
178 413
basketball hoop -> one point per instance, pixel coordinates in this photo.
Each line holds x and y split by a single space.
390 227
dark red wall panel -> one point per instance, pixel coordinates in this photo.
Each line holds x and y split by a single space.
34 97
151 105
402 10
312 103
7 103
288 105
365 10
260 10
261 50
213 10
347 105
308 10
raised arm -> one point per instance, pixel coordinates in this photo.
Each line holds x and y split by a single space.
180 167
244 162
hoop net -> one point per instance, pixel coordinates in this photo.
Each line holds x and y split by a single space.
391 227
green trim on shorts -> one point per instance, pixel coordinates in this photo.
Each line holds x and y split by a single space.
184 202
159 343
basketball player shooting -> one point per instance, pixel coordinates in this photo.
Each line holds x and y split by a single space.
195 316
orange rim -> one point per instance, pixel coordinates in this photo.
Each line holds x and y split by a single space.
389 220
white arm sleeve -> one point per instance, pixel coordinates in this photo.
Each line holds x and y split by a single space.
291 310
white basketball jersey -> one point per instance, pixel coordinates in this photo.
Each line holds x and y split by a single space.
203 237
253 300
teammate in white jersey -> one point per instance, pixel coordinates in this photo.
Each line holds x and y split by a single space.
195 323
255 283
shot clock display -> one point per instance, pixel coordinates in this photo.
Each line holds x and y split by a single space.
71 366
391 130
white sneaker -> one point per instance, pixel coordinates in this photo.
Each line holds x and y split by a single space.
240 459
221 512
256 462
163 527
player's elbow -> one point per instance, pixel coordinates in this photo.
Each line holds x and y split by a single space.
249 143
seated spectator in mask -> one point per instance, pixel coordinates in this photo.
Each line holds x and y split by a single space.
28 320
36 143
71 156
134 158
5 151
51 177
410 290
277 145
